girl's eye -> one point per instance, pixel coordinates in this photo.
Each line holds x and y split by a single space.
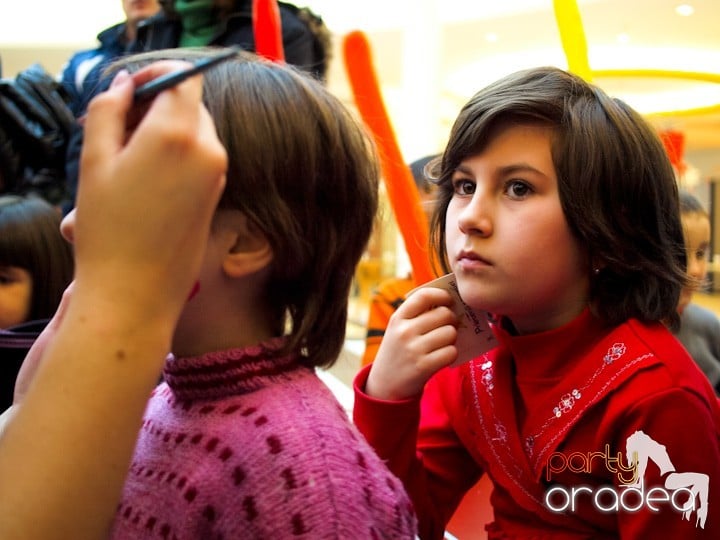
517 189
8 276
463 186
701 254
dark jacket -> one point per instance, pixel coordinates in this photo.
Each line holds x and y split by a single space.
82 80
305 45
301 45
35 126
15 343
81 75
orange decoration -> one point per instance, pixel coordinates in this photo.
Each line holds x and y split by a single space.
402 192
267 30
674 142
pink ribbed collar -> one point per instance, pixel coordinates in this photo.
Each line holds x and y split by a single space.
231 372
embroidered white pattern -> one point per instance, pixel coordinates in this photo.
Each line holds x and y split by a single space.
566 403
614 352
512 469
570 401
487 375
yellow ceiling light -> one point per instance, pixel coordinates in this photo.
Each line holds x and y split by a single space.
574 45
706 95
684 10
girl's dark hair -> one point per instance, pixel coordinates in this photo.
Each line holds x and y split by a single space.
305 172
616 184
30 239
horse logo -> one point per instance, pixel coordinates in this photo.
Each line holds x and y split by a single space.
640 447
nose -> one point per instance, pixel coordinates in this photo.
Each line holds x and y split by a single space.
476 217
67 227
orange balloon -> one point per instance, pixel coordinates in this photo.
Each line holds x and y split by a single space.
402 192
267 30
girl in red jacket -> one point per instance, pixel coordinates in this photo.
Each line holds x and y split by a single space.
557 214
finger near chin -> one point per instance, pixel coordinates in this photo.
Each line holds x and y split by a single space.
439 358
437 317
423 300
439 337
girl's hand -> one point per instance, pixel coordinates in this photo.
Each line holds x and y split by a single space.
419 341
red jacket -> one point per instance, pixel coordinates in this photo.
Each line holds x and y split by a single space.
545 413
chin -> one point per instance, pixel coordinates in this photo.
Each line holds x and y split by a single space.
685 299
477 301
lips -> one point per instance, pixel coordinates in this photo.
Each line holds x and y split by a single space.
470 257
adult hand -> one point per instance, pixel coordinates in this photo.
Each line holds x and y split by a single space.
145 203
146 198
419 341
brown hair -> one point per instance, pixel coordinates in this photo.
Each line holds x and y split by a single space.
30 239
616 185
304 171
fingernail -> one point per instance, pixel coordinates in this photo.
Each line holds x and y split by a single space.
120 78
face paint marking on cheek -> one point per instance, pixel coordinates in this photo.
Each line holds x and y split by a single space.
194 291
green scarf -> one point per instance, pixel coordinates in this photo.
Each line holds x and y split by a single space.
199 22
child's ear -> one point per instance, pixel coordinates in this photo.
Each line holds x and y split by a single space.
249 253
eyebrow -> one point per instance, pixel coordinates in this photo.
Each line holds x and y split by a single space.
508 169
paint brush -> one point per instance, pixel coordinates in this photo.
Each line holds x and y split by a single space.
152 88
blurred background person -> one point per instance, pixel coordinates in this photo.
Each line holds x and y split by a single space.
35 126
197 23
306 42
391 292
36 262
700 328
81 74
36 266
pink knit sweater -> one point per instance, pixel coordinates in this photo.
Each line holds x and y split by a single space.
244 444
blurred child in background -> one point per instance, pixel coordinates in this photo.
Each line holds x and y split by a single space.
699 327
391 292
36 262
36 265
